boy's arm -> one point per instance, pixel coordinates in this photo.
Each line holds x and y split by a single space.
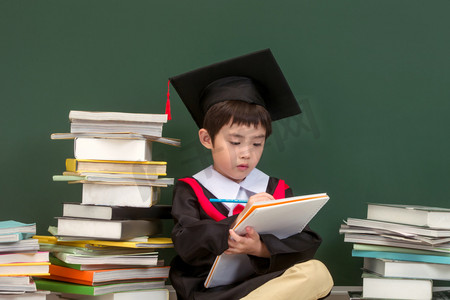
197 238
284 253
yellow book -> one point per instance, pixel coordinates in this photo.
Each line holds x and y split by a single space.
112 166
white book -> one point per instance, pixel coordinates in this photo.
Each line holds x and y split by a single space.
282 218
39 295
107 229
120 195
400 228
434 217
407 269
396 288
23 257
155 294
77 115
113 149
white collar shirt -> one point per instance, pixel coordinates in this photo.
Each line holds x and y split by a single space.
225 188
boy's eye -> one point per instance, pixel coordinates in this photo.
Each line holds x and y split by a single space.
257 144
234 143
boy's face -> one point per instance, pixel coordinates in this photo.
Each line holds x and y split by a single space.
237 150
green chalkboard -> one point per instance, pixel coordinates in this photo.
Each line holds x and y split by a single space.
372 78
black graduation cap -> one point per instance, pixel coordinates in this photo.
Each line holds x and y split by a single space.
253 78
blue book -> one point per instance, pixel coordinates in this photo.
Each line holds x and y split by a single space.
427 258
13 231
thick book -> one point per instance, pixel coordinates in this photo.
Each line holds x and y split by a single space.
281 218
400 228
11 226
94 277
117 166
22 245
396 288
117 180
107 229
104 116
24 257
113 149
115 135
72 288
103 212
154 294
120 195
394 234
407 269
143 259
113 176
434 217
402 254
90 267
394 241
24 269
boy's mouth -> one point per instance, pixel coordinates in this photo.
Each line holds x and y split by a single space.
242 167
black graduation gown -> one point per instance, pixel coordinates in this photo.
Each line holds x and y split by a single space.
198 239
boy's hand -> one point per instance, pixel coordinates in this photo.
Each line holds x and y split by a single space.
250 243
255 198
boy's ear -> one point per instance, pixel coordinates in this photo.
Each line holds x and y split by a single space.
205 139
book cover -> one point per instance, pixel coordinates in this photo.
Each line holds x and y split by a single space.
282 218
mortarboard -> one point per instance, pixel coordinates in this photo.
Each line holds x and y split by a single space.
253 78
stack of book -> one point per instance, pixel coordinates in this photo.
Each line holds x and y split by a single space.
107 242
20 260
405 248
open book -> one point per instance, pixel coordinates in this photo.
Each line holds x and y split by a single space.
282 218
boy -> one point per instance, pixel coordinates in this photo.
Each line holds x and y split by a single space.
233 104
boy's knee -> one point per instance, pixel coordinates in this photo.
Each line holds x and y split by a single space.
318 276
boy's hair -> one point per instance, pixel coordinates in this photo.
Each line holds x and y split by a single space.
236 112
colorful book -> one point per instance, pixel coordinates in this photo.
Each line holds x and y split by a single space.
11 226
119 166
92 277
71 288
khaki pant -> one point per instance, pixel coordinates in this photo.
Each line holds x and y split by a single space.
305 281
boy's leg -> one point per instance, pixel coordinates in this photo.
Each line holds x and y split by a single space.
304 281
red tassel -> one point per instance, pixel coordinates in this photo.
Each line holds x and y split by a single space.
168 113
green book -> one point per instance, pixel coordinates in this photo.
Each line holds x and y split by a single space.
72 288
